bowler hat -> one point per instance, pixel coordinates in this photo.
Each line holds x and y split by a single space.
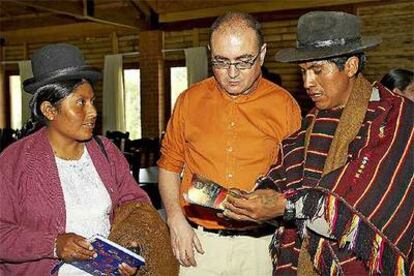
58 62
324 34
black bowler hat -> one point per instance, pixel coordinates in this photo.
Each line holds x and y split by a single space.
325 34
58 62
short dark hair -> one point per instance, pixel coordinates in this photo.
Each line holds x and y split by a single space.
232 17
54 93
341 60
398 78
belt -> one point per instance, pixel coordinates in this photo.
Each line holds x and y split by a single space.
258 232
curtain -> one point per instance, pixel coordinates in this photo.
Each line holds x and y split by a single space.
197 64
113 111
25 72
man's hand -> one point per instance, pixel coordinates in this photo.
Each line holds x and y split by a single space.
257 206
71 247
183 241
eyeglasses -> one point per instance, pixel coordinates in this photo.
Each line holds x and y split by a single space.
241 65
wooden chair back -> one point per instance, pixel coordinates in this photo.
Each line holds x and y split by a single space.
7 136
148 150
118 138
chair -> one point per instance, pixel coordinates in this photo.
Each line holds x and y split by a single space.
153 193
7 137
143 154
147 148
133 159
118 138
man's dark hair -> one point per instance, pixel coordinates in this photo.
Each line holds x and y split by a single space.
233 17
341 60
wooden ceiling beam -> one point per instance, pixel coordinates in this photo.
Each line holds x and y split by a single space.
124 15
151 17
84 7
25 16
68 8
256 7
73 10
60 33
143 7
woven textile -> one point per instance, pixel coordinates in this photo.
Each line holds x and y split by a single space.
368 201
141 224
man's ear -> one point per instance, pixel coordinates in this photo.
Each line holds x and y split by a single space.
262 53
352 66
48 110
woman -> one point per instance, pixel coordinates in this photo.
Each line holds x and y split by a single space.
400 81
59 186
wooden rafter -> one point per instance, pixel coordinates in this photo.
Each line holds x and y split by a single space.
151 18
252 7
72 9
143 7
60 33
25 16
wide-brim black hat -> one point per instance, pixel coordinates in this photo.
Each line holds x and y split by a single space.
58 62
325 34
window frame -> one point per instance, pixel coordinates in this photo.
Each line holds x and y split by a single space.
167 84
7 99
132 66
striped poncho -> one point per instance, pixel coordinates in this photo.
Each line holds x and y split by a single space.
368 203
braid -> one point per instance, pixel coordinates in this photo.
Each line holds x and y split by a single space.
29 127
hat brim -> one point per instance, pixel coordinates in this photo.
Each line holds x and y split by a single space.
308 54
81 72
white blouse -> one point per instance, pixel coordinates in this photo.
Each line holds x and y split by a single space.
87 201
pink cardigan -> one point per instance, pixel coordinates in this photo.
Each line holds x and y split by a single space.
32 208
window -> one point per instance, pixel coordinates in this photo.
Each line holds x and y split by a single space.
16 102
132 86
179 83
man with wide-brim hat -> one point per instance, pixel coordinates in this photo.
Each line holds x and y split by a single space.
343 183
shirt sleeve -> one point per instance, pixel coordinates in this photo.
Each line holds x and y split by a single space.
172 147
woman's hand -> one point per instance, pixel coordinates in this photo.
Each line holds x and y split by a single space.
71 247
126 270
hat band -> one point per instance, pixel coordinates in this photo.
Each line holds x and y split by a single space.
329 42
58 72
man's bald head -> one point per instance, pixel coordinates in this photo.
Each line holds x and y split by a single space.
234 22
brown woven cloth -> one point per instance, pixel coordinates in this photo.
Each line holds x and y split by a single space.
349 124
305 265
348 127
140 223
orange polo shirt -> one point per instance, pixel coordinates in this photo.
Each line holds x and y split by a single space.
231 141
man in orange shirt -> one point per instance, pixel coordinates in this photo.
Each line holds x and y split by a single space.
226 128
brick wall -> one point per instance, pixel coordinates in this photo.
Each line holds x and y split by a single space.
152 85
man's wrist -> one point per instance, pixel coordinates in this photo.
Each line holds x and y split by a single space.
175 217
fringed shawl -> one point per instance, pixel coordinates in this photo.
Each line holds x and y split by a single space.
368 194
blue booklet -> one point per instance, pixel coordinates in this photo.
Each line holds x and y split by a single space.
110 256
